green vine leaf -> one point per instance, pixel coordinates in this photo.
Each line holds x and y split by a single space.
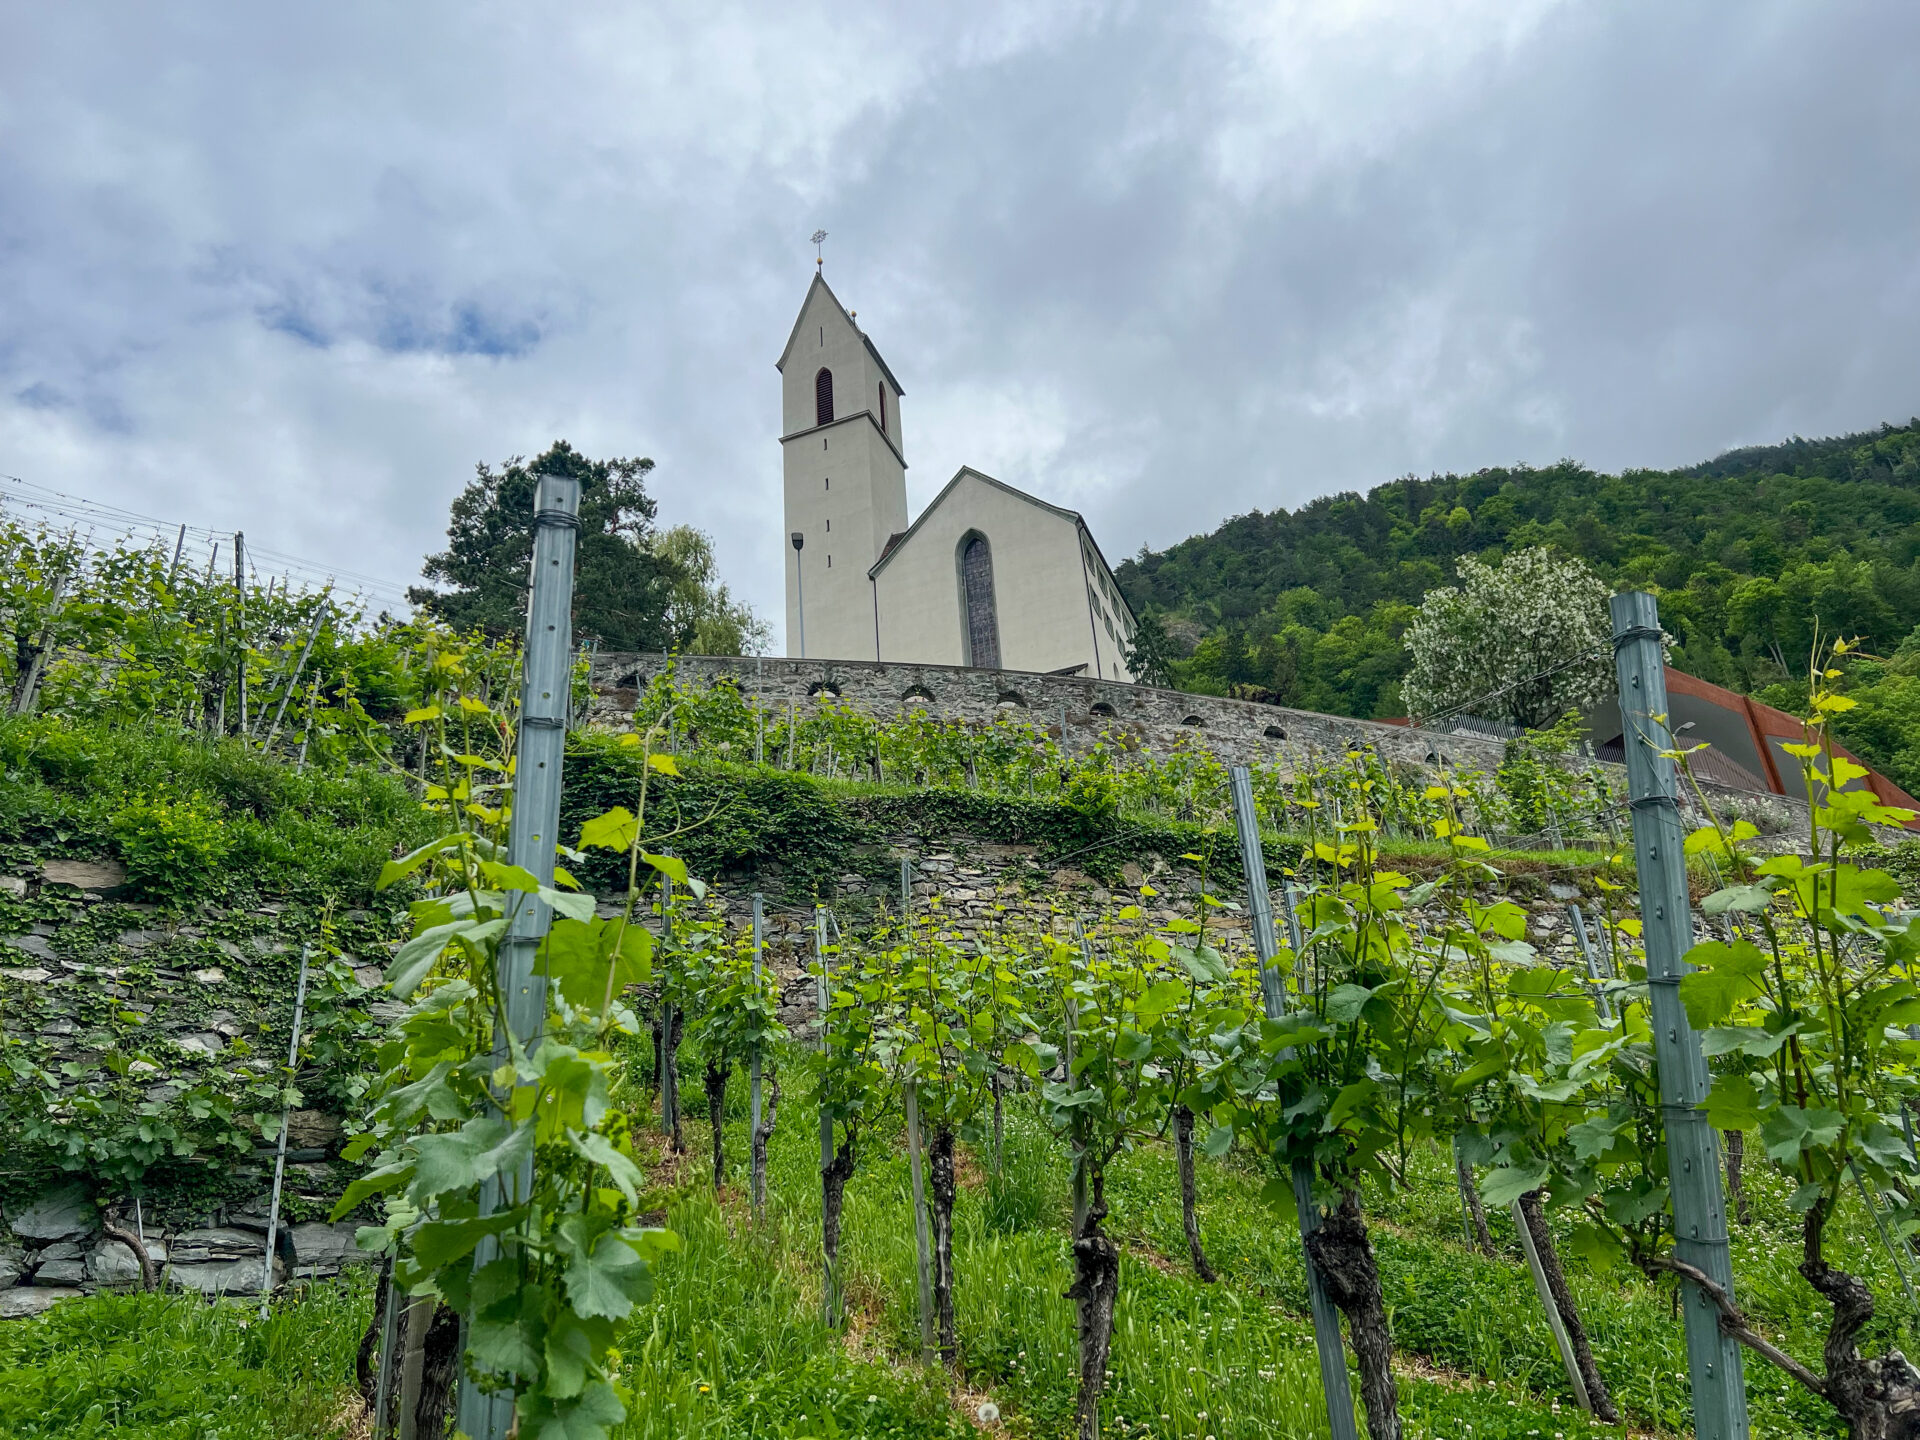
607 1279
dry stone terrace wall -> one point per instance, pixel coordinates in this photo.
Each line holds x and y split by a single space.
1236 730
981 891
88 980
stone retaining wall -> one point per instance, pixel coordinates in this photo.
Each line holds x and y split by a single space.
1084 711
1238 731
89 982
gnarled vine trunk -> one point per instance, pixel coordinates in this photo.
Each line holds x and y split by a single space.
1598 1396
1470 1199
668 1033
439 1373
999 1123
427 1341
940 1182
1183 1151
761 1135
833 1195
1096 1285
1878 1398
1736 1152
114 1230
716 1080
1342 1253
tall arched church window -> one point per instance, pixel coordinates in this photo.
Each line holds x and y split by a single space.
976 581
823 397
883 407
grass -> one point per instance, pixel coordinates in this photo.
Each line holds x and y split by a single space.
69 787
1189 1360
732 1347
173 1367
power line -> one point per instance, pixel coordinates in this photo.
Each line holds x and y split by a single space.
77 511
1466 706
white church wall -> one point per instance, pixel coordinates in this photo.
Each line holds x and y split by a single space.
1040 599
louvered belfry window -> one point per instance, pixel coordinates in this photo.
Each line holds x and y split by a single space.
976 577
823 397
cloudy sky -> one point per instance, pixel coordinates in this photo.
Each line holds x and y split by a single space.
295 269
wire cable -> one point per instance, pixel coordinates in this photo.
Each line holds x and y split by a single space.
77 512
1466 706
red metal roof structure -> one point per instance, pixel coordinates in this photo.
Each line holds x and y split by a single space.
1745 739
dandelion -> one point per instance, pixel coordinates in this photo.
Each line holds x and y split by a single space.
987 1413
706 1389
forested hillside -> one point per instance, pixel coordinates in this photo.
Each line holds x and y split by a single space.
1747 551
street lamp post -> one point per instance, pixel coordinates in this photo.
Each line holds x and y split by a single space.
800 580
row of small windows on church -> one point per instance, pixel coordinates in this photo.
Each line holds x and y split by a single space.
823 400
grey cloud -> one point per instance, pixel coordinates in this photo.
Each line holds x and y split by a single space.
298 271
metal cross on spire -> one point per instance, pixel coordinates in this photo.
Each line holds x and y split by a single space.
819 257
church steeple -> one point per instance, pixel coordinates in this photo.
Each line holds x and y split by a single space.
843 440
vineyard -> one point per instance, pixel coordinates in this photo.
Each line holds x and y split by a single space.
1230 1083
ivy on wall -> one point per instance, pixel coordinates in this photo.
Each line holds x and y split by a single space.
795 836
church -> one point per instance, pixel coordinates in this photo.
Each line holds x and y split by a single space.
986 576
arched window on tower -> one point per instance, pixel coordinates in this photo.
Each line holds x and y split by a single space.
883 407
976 587
823 397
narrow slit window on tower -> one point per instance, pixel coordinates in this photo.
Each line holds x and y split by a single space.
829 562
829 527
823 397
883 407
976 579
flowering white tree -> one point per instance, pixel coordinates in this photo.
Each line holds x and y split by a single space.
1492 643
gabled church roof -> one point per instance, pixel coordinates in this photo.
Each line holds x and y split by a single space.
820 283
897 541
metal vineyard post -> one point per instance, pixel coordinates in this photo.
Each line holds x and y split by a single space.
1326 1320
544 700
1693 1150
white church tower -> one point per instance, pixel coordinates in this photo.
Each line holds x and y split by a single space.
987 576
846 477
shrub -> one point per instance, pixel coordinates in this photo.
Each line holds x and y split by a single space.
174 849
